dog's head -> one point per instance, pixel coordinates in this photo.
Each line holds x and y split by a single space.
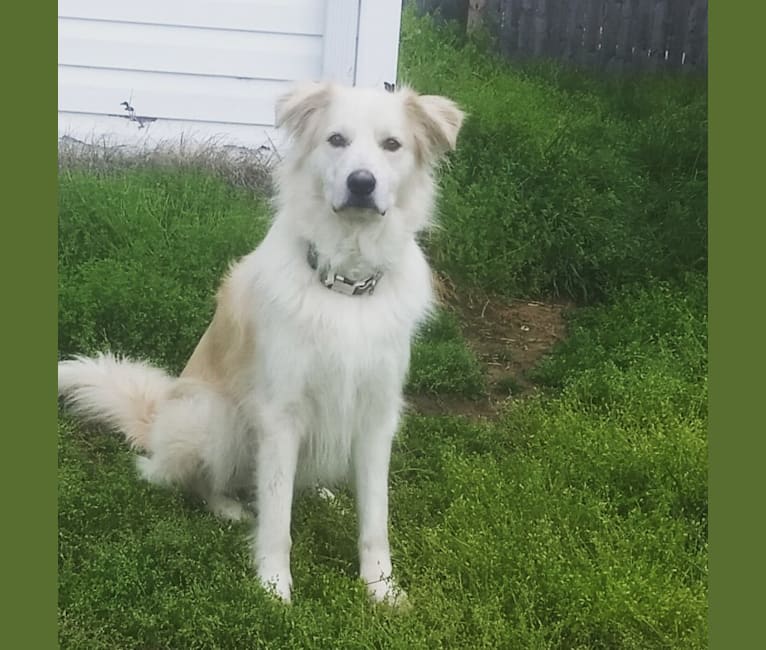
364 148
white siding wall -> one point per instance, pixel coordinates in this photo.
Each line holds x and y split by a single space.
202 69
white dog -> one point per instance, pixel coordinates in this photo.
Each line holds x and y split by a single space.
298 379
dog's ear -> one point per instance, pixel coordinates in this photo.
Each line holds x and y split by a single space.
297 109
437 122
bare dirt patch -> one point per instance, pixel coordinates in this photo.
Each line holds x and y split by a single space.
509 337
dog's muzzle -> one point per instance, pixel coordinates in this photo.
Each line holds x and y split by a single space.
361 185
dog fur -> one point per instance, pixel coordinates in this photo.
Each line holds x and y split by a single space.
294 385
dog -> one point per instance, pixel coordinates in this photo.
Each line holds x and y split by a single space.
298 380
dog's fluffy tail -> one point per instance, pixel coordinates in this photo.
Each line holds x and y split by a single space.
121 393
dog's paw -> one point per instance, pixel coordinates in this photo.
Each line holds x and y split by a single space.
279 587
228 509
149 471
386 592
277 581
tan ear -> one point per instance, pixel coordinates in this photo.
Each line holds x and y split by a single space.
297 109
438 121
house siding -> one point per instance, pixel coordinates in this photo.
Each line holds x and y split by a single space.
143 71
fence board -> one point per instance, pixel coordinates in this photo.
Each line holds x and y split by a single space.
592 32
540 27
627 28
702 41
657 34
695 40
574 28
554 16
645 35
511 27
526 27
610 35
678 29
494 16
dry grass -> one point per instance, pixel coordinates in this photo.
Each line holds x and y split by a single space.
242 167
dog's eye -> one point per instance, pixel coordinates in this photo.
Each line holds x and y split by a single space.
391 144
337 140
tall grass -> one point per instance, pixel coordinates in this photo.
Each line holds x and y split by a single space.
565 182
141 252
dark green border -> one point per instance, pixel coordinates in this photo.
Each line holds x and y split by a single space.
28 263
737 224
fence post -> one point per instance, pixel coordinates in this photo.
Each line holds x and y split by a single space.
477 10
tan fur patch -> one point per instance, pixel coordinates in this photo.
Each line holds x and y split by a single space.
296 110
437 122
226 342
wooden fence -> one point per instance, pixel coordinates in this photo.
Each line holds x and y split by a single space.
611 34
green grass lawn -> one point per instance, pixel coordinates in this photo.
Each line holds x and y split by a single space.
575 518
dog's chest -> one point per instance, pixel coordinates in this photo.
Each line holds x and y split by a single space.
355 357
349 387
344 362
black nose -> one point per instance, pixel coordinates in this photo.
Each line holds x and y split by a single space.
361 182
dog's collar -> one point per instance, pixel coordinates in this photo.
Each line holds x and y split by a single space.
340 283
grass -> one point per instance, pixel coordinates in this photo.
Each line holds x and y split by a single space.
576 519
442 363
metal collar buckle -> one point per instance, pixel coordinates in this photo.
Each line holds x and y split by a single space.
349 287
339 283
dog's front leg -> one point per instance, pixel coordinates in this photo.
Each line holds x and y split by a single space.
372 452
276 460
